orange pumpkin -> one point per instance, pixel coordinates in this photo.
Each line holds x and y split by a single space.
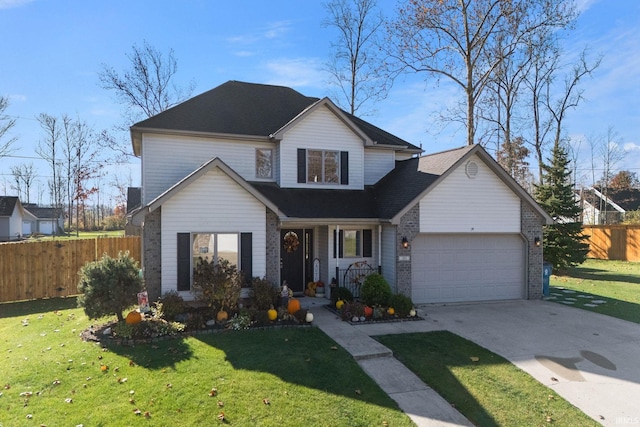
294 306
222 316
368 311
133 318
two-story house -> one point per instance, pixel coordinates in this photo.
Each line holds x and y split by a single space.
291 187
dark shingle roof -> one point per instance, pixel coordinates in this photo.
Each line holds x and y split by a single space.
134 198
321 203
239 108
40 212
7 205
628 199
390 195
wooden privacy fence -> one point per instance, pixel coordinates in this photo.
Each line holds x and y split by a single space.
31 270
614 242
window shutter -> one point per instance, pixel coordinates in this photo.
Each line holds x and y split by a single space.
344 167
302 165
184 261
246 256
340 238
367 250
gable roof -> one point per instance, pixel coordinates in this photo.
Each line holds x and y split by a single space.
627 199
247 110
391 197
42 213
7 205
138 214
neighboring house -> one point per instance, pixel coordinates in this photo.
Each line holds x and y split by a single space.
598 208
11 217
41 220
291 187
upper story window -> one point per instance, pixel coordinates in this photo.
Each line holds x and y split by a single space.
264 163
323 167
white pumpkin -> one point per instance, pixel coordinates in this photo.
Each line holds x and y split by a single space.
412 313
309 317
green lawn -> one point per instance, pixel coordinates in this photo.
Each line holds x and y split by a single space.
274 377
614 286
486 388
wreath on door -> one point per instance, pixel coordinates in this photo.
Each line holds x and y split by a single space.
291 241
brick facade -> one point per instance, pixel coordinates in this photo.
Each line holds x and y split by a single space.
408 227
272 256
531 227
151 254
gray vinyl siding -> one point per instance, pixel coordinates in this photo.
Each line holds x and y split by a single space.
168 159
205 206
321 130
459 204
377 163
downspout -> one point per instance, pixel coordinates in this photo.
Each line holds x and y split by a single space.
379 249
336 248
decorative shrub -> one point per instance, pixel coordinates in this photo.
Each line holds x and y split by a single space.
300 315
262 317
170 305
239 321
217 283
402 304
340 293
350 309
264 293
375 290
109 286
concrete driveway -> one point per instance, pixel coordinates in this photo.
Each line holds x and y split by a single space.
591 360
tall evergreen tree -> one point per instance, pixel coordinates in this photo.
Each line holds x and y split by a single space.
564 244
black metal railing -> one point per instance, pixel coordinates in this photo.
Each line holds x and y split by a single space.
353 276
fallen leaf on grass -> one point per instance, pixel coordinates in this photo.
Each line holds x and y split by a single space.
266 401
68 400
56 382
220 404
137 411
221 416
474 358
213 392
333 347
358 392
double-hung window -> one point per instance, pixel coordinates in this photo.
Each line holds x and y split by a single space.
323 166
354 243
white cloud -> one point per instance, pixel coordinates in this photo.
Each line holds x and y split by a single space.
18 97
631 146
296 72
8 4
244 53
270 31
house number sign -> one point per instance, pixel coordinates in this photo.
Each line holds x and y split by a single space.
316 270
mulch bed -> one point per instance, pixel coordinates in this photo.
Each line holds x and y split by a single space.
370 321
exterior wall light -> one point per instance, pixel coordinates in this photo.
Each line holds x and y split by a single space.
405 242
537 242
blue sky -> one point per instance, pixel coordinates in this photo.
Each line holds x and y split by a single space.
52 51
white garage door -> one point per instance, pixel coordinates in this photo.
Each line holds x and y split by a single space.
46 227
467 267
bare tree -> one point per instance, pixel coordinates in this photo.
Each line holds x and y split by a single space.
465 41
48 149
145 89
354 64
24 176
86 166
6 123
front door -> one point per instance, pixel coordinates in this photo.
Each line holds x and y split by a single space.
292 256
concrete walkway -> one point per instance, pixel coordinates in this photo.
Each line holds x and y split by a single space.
423 405
591 360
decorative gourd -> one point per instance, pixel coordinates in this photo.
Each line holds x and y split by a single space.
339 304
368 311
294 306
412 313
391 311
309 317
222 316
133 318
272 313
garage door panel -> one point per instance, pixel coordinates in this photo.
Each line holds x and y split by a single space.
459 268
